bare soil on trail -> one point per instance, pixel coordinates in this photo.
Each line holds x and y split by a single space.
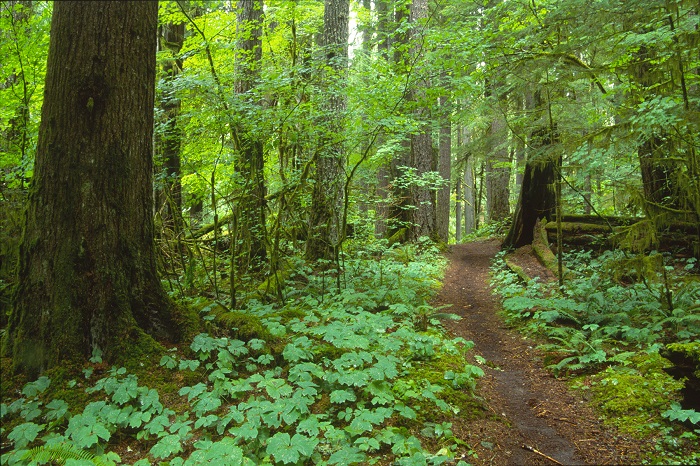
527 406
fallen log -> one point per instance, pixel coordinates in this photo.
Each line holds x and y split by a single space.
203 230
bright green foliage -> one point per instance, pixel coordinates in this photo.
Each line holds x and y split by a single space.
24 46
597 319
352 378
24 434
611 320
677 413
633 397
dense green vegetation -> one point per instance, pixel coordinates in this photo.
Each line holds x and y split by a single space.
611 328
303 189
342 377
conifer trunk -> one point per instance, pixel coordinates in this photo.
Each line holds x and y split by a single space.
87 273
422 213
328 197
444 169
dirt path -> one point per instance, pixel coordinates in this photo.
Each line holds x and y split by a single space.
528 405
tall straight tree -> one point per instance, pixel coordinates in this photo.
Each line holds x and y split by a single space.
442 214
497 157
250 248
87 273
421 154
327 200
384 12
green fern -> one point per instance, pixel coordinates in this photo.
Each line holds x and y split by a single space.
62 452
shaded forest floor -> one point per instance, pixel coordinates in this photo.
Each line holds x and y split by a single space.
528 406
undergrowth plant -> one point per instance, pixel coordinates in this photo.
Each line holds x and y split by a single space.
608 325
351 377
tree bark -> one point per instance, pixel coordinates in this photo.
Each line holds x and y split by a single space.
537 195
458 210
497 160
325 219
422 213
382 210
470 210
444 170
87 272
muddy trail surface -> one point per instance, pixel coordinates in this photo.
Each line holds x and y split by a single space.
533 418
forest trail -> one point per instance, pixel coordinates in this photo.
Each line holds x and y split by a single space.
527 405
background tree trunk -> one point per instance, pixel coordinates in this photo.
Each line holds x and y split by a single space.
458 209
169 196
442 221
422 213
87 273
470 210
497 160
384 172
327 200
250 243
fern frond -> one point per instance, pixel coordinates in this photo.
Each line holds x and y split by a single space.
60 453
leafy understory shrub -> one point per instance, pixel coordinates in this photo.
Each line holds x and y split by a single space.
356 376
611 320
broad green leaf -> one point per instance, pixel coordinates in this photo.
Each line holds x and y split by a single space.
24 434
166 446
280 447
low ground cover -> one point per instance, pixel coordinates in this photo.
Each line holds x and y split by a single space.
361 374
611 329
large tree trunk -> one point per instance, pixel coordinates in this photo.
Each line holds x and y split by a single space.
537 201
87 273
537 198
325 219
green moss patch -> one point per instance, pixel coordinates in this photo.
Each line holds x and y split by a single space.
633 397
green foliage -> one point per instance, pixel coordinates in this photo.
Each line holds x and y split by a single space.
634 397
599 319
677 413
340 377
612 319
66 453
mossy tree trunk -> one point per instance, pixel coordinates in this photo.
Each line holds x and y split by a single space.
87 273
